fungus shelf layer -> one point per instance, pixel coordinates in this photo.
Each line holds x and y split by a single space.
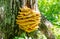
28 19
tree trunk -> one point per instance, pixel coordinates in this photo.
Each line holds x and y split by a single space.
10 29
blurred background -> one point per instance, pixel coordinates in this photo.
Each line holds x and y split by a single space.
51 10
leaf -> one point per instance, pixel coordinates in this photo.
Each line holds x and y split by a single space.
20 38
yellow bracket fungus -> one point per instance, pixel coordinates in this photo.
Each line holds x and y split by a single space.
28 19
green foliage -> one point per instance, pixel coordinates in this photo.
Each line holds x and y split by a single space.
18 38
51 10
